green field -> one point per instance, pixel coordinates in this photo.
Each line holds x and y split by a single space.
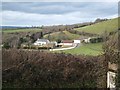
101 27
86 49
21 30
62 35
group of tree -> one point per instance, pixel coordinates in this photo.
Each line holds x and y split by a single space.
14 40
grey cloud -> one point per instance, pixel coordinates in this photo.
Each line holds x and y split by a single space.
59 7
43 13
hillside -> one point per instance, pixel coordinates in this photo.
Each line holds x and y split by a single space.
101 27
21 30
61 35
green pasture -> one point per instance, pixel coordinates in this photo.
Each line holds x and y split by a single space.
21 30
101 27
85 49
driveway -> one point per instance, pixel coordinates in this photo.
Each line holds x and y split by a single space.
75 45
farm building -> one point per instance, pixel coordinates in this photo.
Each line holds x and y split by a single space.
66 43
87 40
77 41
41 42
45 43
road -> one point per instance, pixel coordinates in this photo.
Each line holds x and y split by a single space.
75 46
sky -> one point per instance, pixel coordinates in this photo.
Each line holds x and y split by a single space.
55 13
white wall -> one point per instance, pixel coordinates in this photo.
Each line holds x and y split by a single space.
66 44
77 41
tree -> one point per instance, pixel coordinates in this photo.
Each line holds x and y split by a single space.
58 40
6 45
41 34
49 37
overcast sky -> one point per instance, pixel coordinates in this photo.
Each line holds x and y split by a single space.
50 13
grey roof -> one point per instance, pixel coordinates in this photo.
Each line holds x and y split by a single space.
43 40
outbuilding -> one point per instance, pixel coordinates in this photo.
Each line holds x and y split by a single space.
66 43
77 41
41 42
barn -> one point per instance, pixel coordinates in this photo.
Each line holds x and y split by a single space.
66 43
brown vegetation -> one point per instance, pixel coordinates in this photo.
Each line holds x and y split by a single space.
35 69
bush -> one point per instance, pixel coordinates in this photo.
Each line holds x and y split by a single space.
96 40
33 47
44 47
36 69
26 47
6 46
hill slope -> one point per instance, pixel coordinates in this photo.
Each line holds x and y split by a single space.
63 35
101 27
22 30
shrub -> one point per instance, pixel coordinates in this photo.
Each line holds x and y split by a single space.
36 69
6 45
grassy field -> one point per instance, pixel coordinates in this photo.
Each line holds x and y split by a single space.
63 35
86 49
101 27
22 30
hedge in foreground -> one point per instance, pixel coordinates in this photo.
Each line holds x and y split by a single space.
35 69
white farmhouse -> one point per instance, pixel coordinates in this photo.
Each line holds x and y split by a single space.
41 42
77 41
87 40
